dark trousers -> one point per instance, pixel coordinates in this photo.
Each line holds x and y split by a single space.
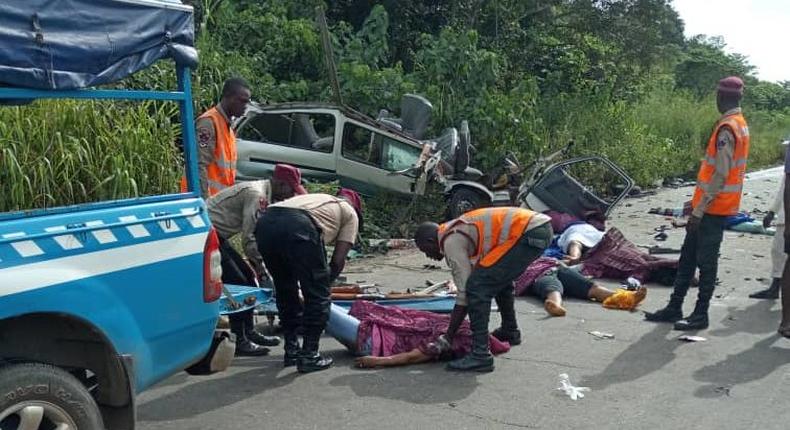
293 251
496 282
700 250
236 271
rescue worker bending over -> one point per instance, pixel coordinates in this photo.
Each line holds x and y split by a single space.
236 210
486 249
291 236
717 196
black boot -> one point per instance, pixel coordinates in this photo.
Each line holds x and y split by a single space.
695 321
479 360
698 320
262 339
245 348
292 350
309 359
513 337
772 292
671 313
509 331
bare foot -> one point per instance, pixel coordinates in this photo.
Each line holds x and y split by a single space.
554 309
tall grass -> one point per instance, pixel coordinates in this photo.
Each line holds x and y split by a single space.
63 152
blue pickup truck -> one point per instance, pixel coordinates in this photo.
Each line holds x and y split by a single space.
99 301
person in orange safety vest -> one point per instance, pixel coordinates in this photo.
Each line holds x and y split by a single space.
486 249
217 141
717 196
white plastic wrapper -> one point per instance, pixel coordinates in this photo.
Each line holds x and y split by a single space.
571 390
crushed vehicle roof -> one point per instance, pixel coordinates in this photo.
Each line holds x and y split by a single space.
69 44
347 111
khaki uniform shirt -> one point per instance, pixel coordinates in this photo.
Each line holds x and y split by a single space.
458 250
725 150
235 210
335 217
207 144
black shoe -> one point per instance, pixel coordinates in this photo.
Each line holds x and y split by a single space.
771 292
693 322
261 339
245 348
513 337
307 363
667 314
470 363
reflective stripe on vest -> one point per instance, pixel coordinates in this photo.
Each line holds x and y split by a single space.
498 229
221 171
727 200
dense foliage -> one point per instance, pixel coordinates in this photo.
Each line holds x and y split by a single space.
616 75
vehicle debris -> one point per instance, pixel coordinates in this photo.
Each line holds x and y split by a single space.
689 338
601 335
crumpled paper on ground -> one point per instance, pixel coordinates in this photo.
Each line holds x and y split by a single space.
571 390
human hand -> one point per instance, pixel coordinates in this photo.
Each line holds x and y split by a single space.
768 219
366 362
693 224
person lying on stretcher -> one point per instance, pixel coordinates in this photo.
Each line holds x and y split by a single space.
392 336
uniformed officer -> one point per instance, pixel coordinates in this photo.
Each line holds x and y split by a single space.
717 196
216 139
236 210
486 249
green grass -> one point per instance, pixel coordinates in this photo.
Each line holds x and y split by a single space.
68 152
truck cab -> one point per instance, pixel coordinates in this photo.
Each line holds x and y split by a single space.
100 301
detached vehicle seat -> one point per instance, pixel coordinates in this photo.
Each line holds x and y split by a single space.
415 116
305 136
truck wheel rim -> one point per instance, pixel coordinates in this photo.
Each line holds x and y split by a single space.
36 415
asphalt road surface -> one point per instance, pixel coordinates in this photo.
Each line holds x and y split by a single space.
645 378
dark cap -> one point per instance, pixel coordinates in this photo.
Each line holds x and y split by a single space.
352 197
732 85
291 176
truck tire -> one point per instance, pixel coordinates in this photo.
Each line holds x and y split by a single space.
39 396
463 200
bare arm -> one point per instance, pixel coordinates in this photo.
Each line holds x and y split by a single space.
338 261
415 356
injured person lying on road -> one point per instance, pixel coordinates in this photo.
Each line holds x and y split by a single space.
550 279
391 336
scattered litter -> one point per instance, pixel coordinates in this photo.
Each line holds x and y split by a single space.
431 267
601 335
661 237
569 389
747 279
452 404
688 338
631 284
655 250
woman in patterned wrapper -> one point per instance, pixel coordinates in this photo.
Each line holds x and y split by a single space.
391 336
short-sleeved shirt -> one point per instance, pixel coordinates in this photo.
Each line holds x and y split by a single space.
235 210
334 216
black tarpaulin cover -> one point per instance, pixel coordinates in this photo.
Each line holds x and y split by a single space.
68 44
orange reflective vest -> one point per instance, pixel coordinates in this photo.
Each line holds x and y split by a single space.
221 172
728 200
498 229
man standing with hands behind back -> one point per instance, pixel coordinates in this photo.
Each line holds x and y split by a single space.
717 196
